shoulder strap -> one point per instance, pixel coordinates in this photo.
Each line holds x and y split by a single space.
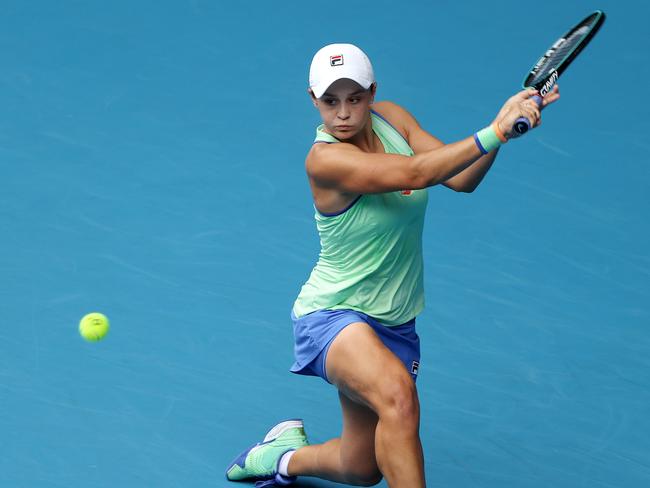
392 139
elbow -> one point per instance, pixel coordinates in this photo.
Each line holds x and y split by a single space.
418 179
464 188
419 183
419 176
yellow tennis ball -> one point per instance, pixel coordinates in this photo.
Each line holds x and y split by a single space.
94 326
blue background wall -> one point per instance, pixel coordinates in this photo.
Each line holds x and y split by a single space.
152 168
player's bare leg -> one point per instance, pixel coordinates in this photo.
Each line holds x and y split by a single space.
346 459
371 376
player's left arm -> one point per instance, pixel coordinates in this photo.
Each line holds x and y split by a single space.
420 141
467 180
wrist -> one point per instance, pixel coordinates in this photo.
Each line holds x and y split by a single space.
500 134
490 138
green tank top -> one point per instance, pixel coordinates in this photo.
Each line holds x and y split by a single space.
371 253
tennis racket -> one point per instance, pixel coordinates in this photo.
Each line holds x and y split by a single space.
558 57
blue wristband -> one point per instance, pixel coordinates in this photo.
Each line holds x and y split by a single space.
478 143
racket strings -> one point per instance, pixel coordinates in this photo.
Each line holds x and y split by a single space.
556 55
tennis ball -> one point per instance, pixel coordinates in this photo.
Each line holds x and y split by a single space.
94 326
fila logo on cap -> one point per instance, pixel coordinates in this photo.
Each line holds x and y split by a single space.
336 60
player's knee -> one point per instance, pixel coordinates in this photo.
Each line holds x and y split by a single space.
363 477
399 400
368 481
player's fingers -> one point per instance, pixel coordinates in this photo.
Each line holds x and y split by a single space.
526 94
532 114
552 96
550 99
520 96
538 117
531 103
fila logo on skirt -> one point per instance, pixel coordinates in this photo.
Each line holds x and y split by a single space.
415 367
406 192
336 60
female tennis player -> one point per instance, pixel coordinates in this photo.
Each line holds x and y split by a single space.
354 319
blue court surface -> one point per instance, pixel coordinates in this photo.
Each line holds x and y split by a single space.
152 161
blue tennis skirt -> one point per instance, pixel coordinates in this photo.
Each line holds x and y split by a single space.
315 332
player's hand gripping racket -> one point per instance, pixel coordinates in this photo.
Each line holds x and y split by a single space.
558 57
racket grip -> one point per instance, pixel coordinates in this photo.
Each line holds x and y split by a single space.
522 124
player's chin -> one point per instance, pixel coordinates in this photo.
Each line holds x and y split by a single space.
345 132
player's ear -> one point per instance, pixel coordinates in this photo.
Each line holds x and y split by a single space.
373 92
314 100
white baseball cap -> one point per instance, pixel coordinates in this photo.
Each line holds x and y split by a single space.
336 61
